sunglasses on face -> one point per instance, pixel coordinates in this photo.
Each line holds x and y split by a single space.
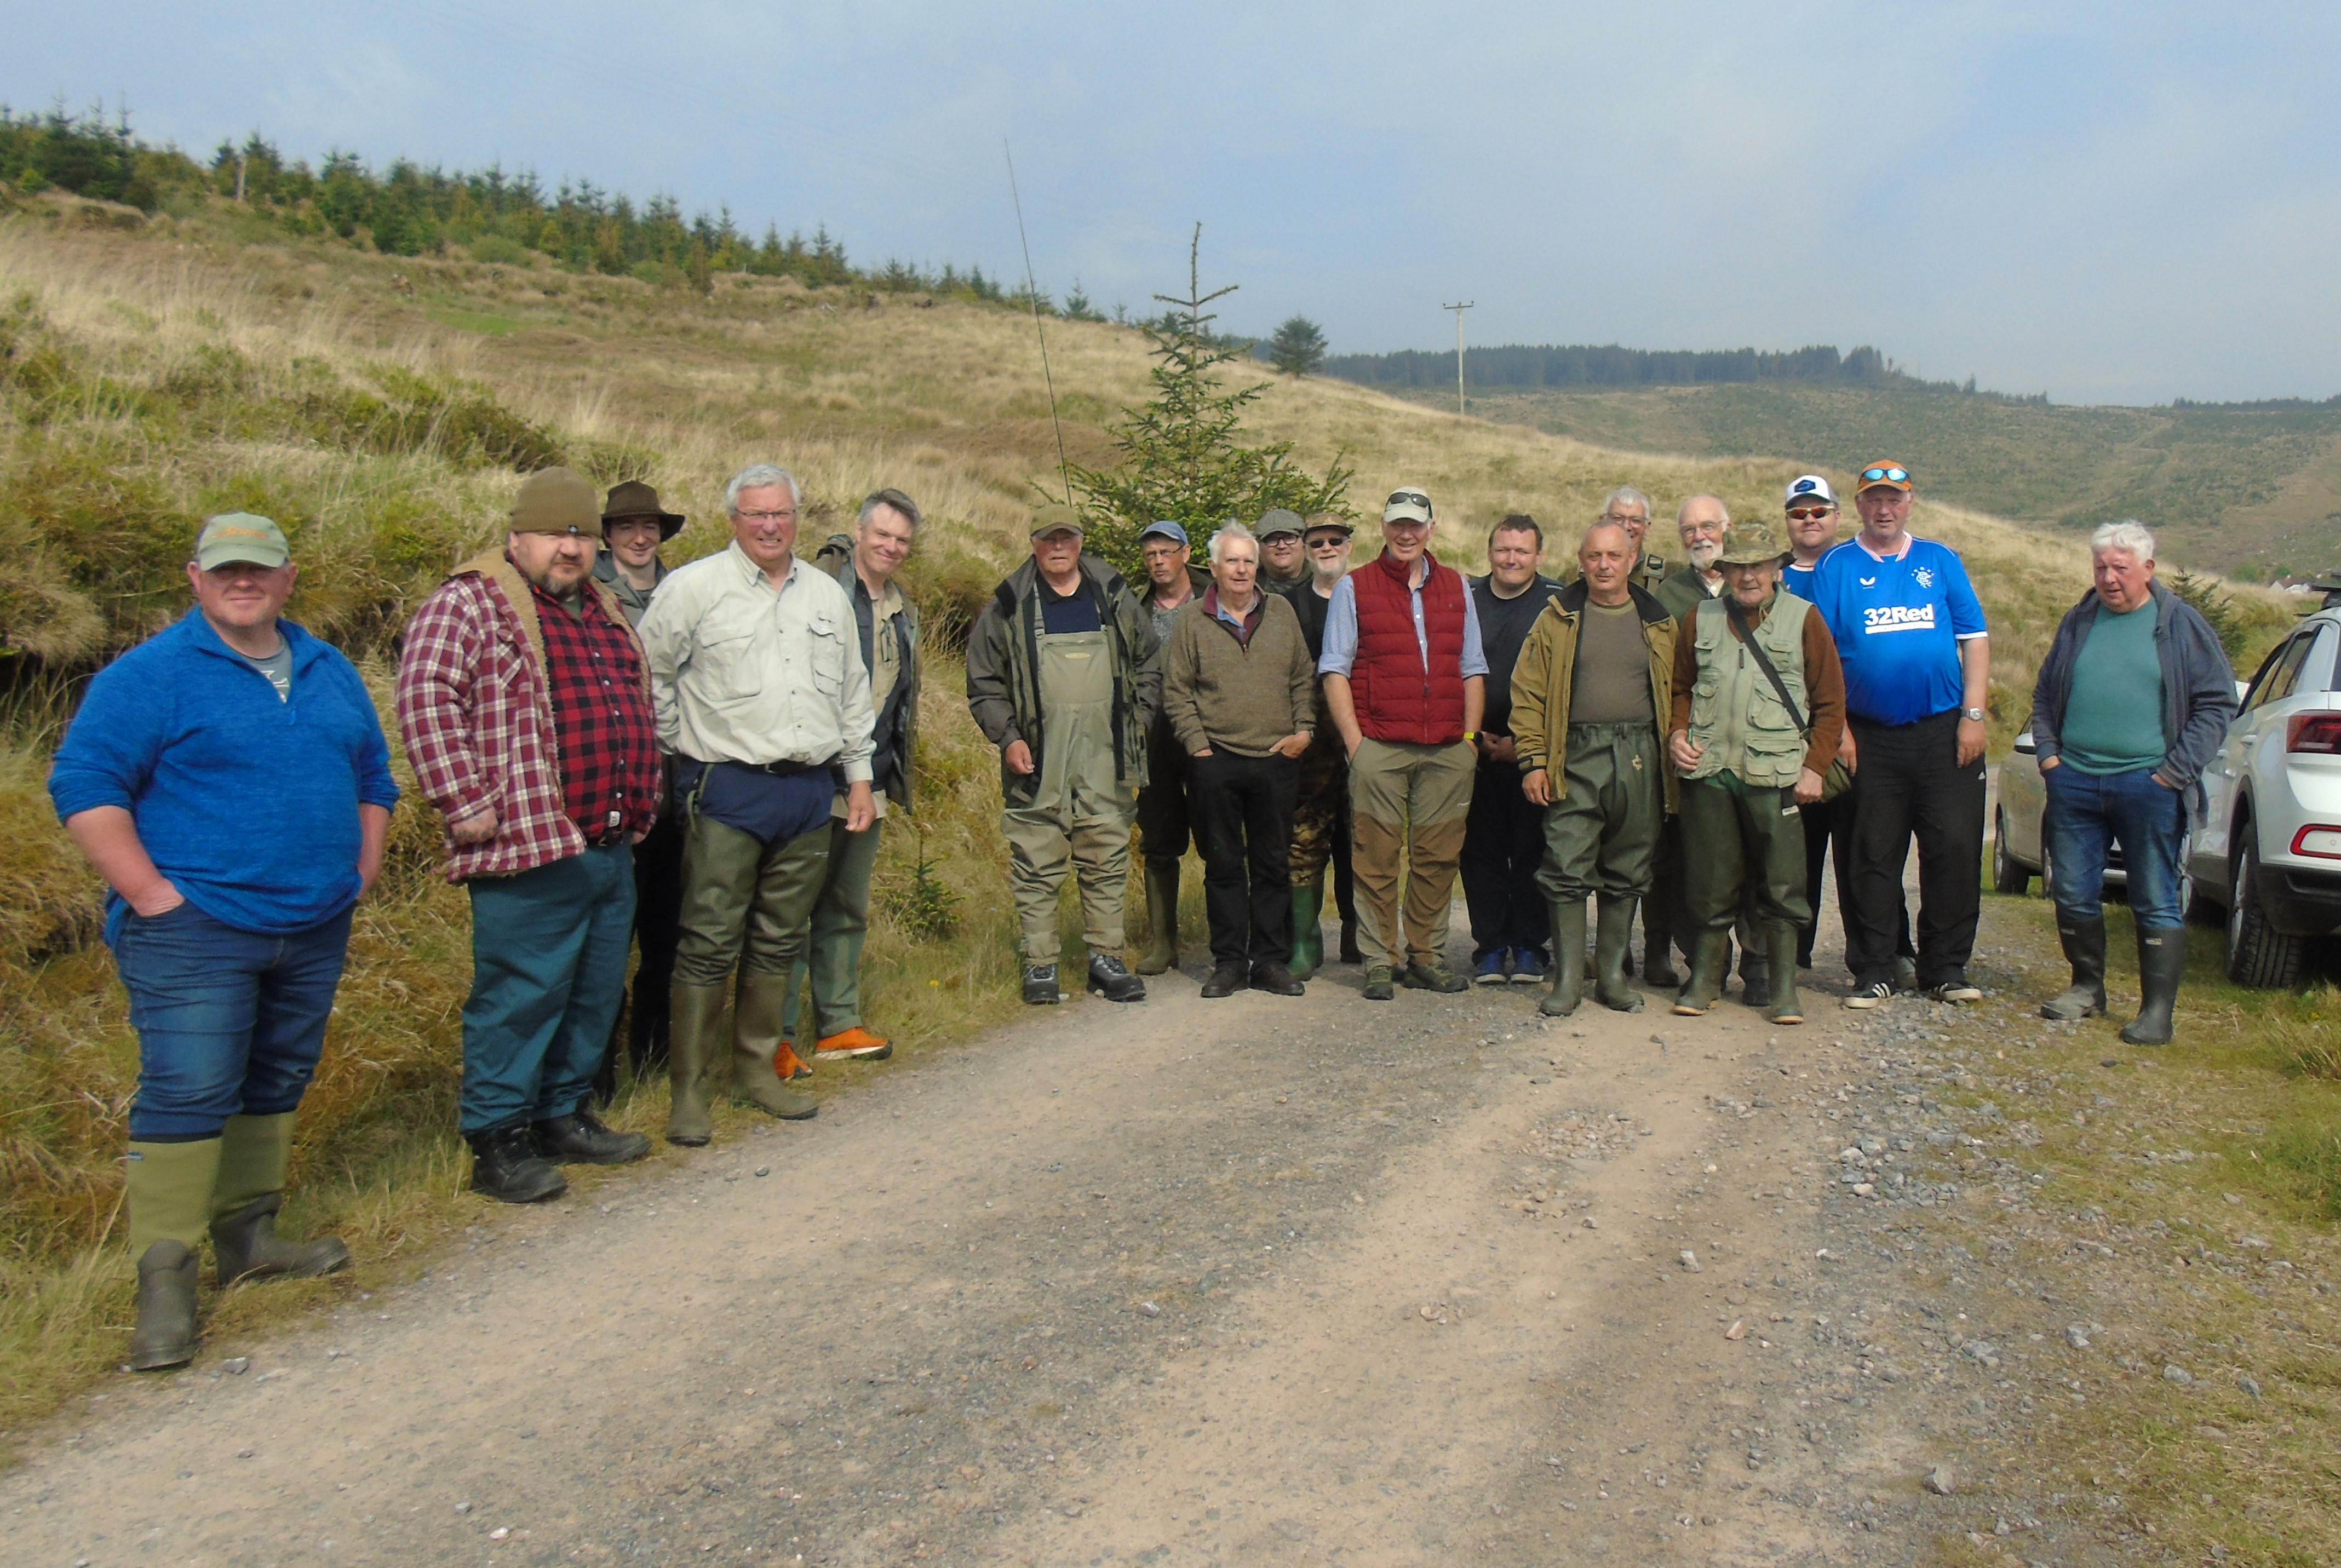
1807 513
1894 475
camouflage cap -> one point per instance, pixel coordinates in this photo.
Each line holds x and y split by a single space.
1752 541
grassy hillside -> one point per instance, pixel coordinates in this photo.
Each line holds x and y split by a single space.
2252 490
384 409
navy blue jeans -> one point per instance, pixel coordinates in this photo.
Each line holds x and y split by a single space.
548 970
230 1022
2086 813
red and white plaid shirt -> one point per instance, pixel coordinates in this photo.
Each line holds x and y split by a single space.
476 714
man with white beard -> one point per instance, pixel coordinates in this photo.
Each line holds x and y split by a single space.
1701 523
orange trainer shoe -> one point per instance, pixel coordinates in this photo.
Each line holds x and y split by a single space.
854 1045
787 1064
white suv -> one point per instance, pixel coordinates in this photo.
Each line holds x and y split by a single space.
2268 848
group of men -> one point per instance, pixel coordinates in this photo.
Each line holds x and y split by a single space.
697 762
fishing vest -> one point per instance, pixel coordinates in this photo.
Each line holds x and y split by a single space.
1397 699
1735 714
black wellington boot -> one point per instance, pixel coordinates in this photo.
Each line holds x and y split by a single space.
2084 949
2161 965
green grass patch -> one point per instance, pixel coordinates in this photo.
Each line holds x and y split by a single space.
469 321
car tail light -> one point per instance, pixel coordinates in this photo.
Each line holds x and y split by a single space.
2317 732
2318 839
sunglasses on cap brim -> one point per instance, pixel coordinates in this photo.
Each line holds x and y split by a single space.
1889 475
1408 497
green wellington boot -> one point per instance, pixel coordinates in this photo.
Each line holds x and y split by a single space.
170 1196
1568 965
1308 928
694 1015
2084 949
255 1154
1780 946
1613 952
1162 950
1711 953
756 1040
2161 965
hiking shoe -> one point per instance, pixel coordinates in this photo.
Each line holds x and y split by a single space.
1276 980
1110 978
506 1166
1226 980
854 1045
1040 986
1530 967
1377 984
787 1065
1871 995
1433 976
580 1138
1953 991
1493 970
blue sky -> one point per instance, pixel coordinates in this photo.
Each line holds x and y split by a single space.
2109 202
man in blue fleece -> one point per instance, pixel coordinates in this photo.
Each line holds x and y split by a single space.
229 779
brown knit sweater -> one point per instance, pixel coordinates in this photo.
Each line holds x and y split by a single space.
1236 694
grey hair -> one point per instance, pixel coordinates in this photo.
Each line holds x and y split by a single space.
761 476
894 500
1631 497
1232 530
2128 534
1718 506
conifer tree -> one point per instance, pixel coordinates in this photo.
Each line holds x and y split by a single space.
1181 457
1298 348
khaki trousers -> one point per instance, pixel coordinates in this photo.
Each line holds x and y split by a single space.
1409 804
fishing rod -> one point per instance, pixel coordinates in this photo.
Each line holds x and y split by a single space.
1033 292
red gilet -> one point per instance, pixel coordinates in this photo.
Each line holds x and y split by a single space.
1397 700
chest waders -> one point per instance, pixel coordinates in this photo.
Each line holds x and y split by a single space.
1078 813
1743 836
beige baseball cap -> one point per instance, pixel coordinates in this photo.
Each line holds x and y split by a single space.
1408 501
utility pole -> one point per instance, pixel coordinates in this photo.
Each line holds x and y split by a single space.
240 158
1458 310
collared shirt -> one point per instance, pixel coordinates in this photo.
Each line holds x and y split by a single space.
885 673
609 765
746 672
1245 624
1341 649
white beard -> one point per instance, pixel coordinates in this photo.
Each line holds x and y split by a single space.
1703 555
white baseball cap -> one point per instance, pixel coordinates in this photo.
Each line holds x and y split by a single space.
1810 487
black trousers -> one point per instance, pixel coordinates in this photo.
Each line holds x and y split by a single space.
1503 845
1912 786
1242 808
1828 836
658 920
1164 811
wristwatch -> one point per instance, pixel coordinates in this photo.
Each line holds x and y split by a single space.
1975 713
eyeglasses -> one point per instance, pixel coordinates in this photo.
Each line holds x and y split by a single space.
782 516
1624 521
1807 513
1894 475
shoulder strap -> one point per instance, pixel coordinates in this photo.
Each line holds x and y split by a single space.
1763 661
